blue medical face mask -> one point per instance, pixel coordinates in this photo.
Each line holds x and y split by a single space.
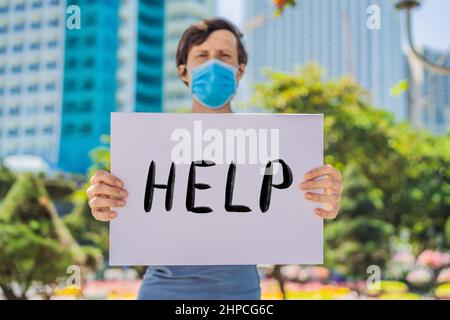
213 83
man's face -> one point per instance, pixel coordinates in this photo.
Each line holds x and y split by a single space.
221 45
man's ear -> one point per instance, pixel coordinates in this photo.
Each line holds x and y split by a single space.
183 74
241 71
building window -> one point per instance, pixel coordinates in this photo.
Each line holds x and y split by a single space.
150 40
71 63
51 65
35 46
53 22
87 106
148 80
34 66
36 25
19 27
48 130
69 129
2 49
37 5
52 44
72 42
70 106
70 84
2 70
54 2
4 9
14 111
31 131
3 29
89 62
49 108
18 48
90 40
16 69
20 7
88 84
86 128
146 59
150 21
51 86
12 133
144 99
91 19
33 88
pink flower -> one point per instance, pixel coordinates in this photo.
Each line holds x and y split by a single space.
433 259
290 271
319 273
419 276
404 258
444 276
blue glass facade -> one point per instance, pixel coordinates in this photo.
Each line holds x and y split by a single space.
149 59
89 82
90 77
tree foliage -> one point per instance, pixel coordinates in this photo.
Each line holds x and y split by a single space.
395 177
36 245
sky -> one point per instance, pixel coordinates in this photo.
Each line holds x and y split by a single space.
431 21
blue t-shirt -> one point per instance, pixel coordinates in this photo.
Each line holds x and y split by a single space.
217 282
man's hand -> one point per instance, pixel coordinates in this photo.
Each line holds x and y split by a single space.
105 192
332 185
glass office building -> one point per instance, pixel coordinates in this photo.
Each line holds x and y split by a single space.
31 69
90 65
334 34
140 56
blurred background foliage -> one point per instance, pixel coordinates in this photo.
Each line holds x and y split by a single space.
396 181
395 177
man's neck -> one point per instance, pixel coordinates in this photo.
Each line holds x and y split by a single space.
198 108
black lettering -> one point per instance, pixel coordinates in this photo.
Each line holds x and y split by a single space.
229 207
150 187
192 185
266 187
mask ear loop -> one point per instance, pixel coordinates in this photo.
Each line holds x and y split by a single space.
237 81
188 70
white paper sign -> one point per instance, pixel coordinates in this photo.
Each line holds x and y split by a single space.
252 219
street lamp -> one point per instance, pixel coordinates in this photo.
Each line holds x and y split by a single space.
408 6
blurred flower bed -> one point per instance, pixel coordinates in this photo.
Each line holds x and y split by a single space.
407 278
424 277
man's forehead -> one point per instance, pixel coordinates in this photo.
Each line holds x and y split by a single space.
218 40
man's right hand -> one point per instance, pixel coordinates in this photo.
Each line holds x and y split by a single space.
105 192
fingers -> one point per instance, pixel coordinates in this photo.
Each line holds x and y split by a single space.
332 184
326 214
333 198
104 214
107 178
97 202
106 190
323 170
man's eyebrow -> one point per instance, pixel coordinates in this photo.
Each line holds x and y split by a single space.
225 50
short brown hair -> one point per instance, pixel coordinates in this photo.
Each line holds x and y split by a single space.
198 33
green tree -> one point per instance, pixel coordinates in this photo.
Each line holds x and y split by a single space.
83 226
36 245
395 177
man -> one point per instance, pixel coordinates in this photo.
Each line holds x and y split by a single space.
211 60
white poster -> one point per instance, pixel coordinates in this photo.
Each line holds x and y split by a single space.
215 189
